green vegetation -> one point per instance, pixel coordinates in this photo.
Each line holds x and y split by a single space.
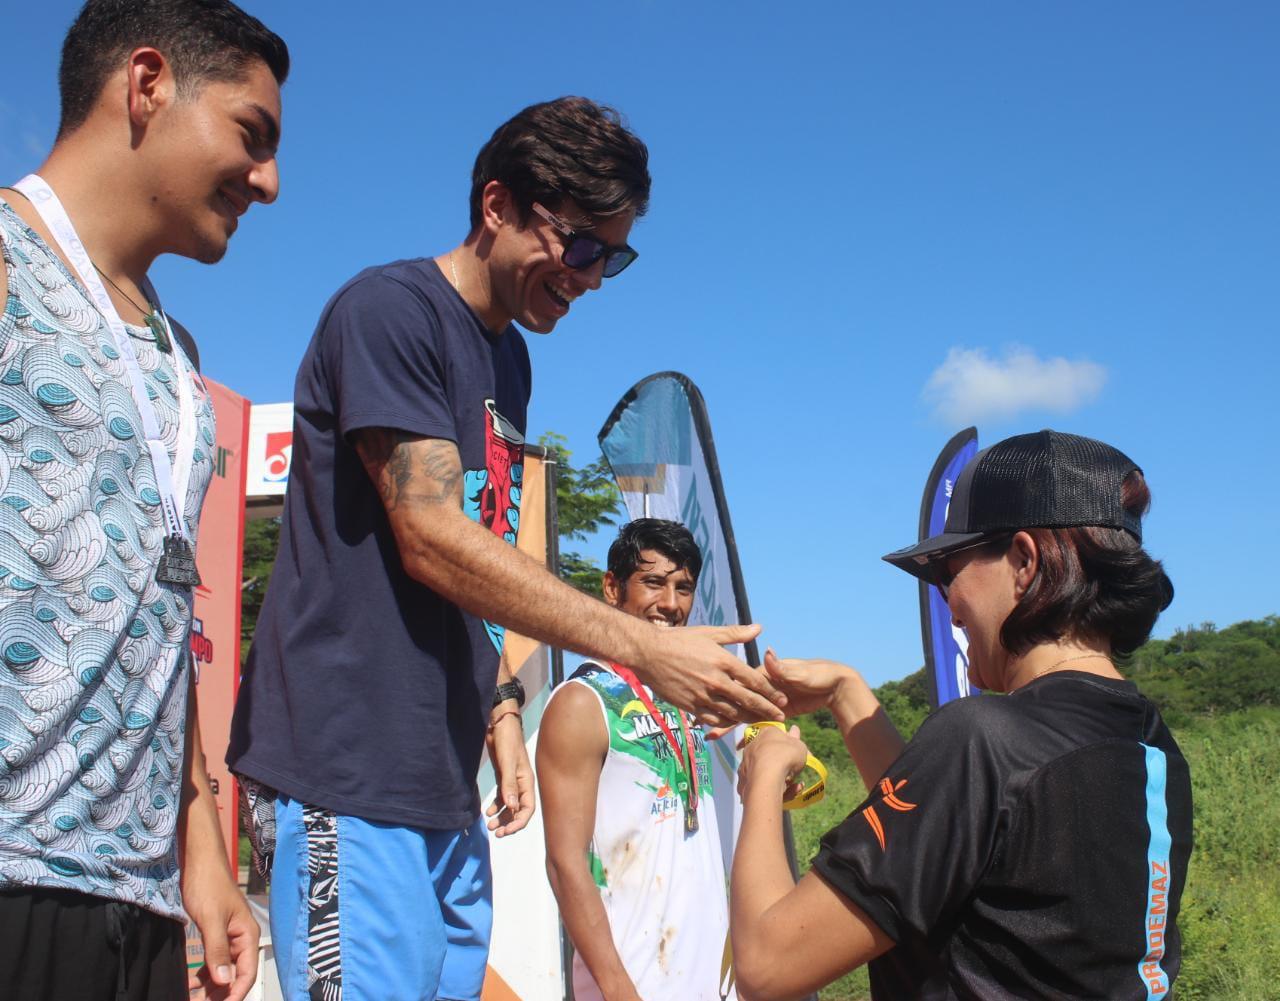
586 501
1219 690
261 539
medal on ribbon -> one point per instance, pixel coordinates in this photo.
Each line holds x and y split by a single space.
686 760
177 563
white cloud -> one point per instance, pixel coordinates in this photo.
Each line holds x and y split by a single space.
971 385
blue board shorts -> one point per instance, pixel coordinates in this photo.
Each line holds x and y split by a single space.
375 912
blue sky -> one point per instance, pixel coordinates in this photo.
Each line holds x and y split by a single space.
870 226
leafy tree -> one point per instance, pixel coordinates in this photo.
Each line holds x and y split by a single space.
586 500
1203 670
906 702
261 539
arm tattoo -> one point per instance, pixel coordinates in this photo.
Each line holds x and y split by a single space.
408 469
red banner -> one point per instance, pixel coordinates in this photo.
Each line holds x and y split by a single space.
215 633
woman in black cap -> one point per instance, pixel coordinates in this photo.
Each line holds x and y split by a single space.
1032 846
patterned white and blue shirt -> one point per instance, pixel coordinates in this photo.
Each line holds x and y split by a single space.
94 654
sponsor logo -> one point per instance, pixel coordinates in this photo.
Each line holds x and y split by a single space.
201 645
889 798
666 804
1157 914
221 456
491 495
699 526
278 454
646 726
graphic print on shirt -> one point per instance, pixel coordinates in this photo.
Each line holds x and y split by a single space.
634 732
889 798
491 495
662 886
93 651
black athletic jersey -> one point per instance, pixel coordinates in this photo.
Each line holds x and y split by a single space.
1027 846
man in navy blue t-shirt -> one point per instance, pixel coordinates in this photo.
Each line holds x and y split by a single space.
375 676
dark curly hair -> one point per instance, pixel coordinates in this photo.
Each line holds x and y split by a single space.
1095 582
670 538
567 148
202 40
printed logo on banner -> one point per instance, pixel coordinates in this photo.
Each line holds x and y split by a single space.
691 514
279 453
201 645
491 495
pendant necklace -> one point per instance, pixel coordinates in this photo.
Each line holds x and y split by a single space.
151 316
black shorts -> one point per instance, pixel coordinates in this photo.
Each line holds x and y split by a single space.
59 945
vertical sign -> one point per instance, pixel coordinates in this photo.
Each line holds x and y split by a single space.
525 958
215 633
946 647
658 443
270 449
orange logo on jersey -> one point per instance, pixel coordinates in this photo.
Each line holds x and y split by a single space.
890 800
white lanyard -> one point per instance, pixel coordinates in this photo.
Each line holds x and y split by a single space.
171 478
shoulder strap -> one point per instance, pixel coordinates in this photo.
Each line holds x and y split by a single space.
187 341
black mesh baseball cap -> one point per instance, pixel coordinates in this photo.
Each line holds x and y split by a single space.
1043 480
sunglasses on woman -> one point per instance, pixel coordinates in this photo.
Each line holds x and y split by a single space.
940 575
582 250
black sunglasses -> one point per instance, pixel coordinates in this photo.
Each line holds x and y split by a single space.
582 251
941 577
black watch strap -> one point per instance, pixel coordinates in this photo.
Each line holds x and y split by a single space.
512 689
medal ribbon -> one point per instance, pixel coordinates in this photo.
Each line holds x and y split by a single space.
172 501
688 763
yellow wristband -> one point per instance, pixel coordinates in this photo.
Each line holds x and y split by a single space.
810 794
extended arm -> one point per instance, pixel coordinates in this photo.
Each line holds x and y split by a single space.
572 744
788 939
869 735
420 482
209 891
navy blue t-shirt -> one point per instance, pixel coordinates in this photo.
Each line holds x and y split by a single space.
365 692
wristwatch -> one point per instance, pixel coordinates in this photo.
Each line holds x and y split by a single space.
512 689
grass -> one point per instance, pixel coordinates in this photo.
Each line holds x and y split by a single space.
1231 911
1230 917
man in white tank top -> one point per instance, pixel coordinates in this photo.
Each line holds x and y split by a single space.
633 850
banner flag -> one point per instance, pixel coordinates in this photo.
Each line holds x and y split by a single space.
658 443
946 648
215 625
527 957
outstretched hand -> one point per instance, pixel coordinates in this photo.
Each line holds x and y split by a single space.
809 685
690 668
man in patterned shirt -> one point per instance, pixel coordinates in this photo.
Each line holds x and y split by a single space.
108 828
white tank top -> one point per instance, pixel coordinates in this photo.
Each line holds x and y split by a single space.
663 888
